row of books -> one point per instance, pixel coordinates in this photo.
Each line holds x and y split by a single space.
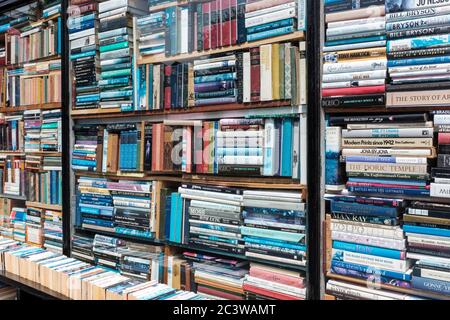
269 147
216 24
213 277
32 131
37 83
79 280
401 43
266 73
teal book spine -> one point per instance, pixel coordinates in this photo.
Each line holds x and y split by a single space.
273 234
286 148
114 46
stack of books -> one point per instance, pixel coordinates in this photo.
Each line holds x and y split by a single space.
355 63
199 201
82 24
32 128
215 81
268 283
18 219
14 176
367 240
267 19
53 232
124 207
51 8
152 33
418 52
218 278
51 131
387 154
107 251
426 228
84 154
274 226
116 50
441 173
141 261
82 248
34 226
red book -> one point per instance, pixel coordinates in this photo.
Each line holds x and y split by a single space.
444 138
226 23
277 277
214 24
218 293
167 87
255 75
353 91
233 21
206 26
269 293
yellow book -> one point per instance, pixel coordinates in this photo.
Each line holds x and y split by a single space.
276 71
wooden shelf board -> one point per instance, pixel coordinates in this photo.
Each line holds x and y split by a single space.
226 181
43 106
39 205
413 292
161 58
38 153
115 113
43 59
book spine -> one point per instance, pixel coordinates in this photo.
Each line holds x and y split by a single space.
370 250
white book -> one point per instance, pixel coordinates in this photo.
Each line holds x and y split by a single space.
422 73
283 288
381 25
367 229
240 134
271 161
271 17
81 34
82 42
355 22
211 195
394 244
389 133
214 200
303 75
266 72
357 126
184 30
273 9
115 4
419 68
357 66
282 196
218 64
241 160
274 204
246 77
354 83
215 206
417 13
386 152
440 190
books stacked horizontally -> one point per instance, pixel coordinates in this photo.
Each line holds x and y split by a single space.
142 261
441 173
263 74
418 52
152 33
51 8
218 278
82 24
116 49
32 128
34 226
387 154
367 240
51 131
266 19
79 280
123 207
18 219
85 150
82 248
53 232
268 283
355 63
274 226
106 251
426 227
214 219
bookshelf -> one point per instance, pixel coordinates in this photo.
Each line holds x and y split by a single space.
30 108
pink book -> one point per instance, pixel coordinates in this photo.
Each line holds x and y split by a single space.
277 277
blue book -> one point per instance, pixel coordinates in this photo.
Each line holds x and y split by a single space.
98 222
286 147
426 230
141 75
167 217
420 183
418 61
396 191
173 215
82 162
371 270
433 41
82 26
270 33
275 243
375 251
352 41
59 36
82 55
354 208
216 77
427 284
271 25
